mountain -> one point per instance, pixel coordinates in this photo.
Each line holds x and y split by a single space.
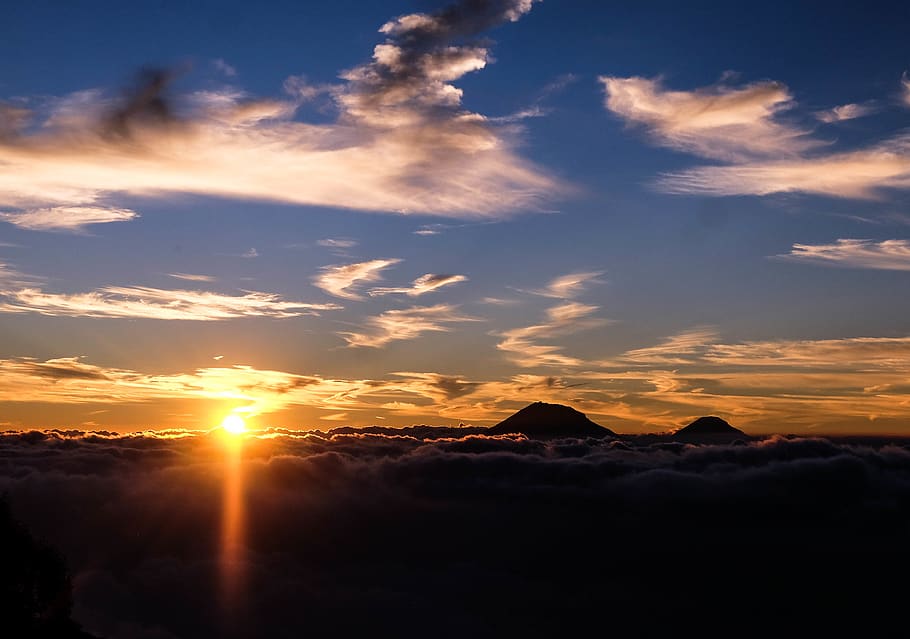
710 427
550 420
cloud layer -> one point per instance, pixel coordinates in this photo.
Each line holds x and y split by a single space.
182 534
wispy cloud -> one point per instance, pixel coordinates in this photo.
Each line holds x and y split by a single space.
891 255
191 277
905 85
676 349
9 276
405 324
719 121
764 154
155 303
250 253
402 141
224 67
859 174
337 280
570 285
883 352
524 344
337 243
422 285
71 219
844 112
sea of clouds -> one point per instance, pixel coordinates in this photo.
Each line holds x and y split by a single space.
449 532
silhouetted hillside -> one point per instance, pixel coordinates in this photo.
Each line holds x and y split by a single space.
544 420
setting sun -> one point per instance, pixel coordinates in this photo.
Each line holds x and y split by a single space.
234 424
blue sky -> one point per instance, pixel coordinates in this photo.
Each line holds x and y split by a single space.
650 213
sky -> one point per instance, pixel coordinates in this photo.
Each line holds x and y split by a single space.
319 214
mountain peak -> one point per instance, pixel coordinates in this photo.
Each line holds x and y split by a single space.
550 420
709 425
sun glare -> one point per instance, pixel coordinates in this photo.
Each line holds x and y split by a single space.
234 424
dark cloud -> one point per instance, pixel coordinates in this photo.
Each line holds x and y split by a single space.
453 387
449 532
63 370
146 102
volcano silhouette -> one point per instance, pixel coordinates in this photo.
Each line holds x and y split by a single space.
709 426
543 420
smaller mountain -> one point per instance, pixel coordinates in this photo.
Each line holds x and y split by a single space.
710 427
542 420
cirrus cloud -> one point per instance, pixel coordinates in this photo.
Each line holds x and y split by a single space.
889 255
405 324
71 219
155 303
338 280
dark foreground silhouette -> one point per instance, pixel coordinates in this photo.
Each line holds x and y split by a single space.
35 588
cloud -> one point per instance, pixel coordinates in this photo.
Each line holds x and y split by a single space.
338 279
402 141
155 303
523 344
73 219
423 284
858 174
844 112
892 353
251 253
224 67
890 255
191 277
9 276
718 122
328 524
405 324
570 285
905 85
676 349
337 243
764 155
335 417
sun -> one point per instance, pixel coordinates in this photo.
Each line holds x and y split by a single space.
234 424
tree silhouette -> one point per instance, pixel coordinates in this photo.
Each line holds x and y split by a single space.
35 587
